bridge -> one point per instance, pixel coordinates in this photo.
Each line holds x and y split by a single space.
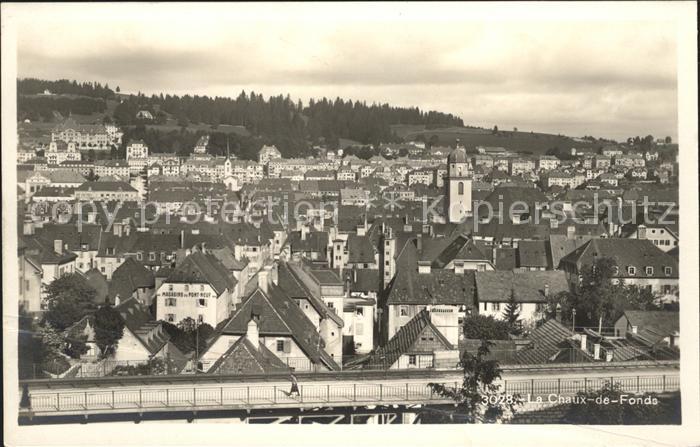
339 395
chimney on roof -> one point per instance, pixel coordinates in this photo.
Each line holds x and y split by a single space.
117 229
264 278
28 227
546 290
182 238
641 232
459 268
361 230
58 246
570 232
252 333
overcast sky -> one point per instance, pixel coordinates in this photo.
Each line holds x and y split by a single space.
605 78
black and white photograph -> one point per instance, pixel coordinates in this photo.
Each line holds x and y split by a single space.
220 216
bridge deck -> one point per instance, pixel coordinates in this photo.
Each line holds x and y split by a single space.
180 397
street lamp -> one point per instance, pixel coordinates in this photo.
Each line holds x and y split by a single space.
573 320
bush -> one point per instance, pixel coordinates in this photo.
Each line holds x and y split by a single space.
152 367
55 366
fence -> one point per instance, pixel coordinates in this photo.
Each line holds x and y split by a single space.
337 394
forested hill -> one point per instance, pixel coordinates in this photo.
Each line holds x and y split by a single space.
277 117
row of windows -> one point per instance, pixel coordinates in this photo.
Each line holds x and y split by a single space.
171 302
648 270
171 318
187 287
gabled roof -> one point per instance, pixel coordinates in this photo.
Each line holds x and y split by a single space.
106 186
548 342
461 248
404 340
281 316
199 268
141 323
436 287
662 322
242 357
527 287
560 245
360 249
130 276
533 254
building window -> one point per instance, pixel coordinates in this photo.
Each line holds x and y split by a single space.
201 287
667 289
202 302
200 318
187 288
359 311
412 360
170 287
152 256
403 311
668 271
170 318
170 302
139 256
649 270
616 270
495 306
631 270
460 188
280 346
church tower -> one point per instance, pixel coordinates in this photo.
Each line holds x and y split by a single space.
459 185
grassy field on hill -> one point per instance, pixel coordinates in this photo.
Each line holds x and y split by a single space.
537 143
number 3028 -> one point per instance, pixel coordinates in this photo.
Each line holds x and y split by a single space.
498 399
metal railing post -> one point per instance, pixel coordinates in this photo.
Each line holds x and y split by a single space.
559 385
140 398
663 384
194 397
637 384
167 397
532 386
58 401
85 400
112 399
301 393
328 393
505 386
274 394
247 394
221 395
585 384
354 392
381 391
406 390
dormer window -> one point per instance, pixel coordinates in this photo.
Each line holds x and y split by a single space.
631 270
139 256
649 270
616 270
668 271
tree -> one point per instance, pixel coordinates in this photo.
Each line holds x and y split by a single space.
479 399
118 89
608 407
511 314
482 327
91 155
495 130
598 299
668 140
109 329
68 299
76 346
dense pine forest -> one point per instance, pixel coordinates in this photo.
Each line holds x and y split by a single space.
293 125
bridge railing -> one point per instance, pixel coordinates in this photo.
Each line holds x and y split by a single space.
267 396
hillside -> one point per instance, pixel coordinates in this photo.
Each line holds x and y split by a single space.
470 137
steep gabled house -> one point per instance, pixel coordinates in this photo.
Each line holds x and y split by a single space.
449 295
417 344
282 328
199 288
